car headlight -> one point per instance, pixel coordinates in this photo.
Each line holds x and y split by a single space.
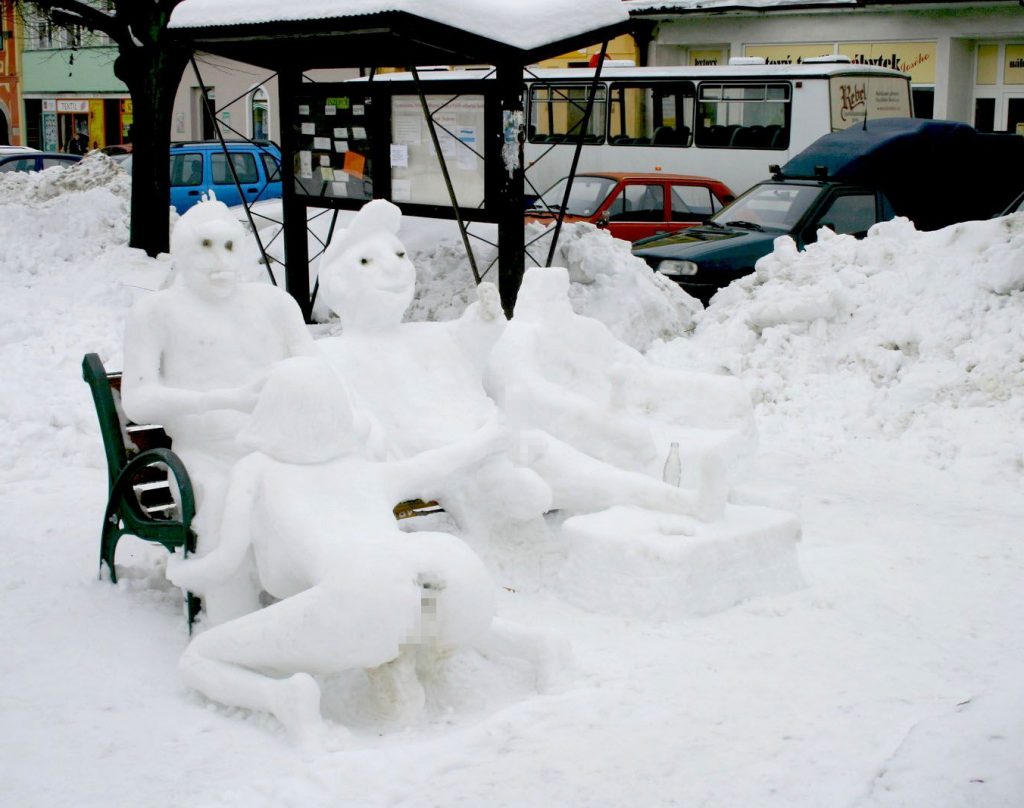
677 268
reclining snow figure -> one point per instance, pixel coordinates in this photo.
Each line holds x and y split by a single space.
423 383
195 356
567 375
354 591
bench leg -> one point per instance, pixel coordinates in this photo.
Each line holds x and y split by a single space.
108 543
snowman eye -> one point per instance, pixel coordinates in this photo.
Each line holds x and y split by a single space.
206 242
229 245
401 254
364 261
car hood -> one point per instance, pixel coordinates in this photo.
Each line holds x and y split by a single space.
709 246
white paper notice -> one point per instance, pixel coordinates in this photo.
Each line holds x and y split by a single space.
401 190
358 133
322 143
309 128
341 133
407 129
341 145
306 165
303 109
327 174
358 109
325 159
330 109
339 188
399 155
467 159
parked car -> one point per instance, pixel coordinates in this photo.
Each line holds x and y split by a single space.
847 181
32 160
199 167
633 206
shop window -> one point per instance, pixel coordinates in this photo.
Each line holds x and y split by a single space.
985 114
259 114
556 113
748 116
660 115
924 102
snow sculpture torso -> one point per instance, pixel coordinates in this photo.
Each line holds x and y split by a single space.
195 357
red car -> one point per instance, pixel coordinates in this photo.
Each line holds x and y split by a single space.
634 206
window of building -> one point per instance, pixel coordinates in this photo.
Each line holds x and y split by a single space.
259 106
743 116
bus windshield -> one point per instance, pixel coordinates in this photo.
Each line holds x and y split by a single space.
774 206
587 194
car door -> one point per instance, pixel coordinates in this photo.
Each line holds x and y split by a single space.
636 210
247 171
188 175
689 205
848 212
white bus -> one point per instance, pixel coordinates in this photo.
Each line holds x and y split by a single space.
728 122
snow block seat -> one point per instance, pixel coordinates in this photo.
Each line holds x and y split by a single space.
141 469
641 563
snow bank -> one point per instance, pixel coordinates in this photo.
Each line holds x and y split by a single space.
64 231
608 282
896 334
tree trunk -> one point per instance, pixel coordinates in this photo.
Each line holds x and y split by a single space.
152 75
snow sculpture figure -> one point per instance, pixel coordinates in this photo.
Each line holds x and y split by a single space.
195 357
567 375
421 381
355 591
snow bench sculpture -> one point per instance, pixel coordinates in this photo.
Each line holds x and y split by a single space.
141 469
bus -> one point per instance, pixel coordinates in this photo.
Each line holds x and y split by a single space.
725 122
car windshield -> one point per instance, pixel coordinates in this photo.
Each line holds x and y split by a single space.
586 197
773 206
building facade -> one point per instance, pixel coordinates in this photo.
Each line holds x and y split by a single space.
966 60
10 76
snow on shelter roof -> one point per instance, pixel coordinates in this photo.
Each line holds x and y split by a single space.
523 24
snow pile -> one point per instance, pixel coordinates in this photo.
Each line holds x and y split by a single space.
902 332
608 282
64 261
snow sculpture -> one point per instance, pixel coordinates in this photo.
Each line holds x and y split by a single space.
195 357
567 375
355 591
421 381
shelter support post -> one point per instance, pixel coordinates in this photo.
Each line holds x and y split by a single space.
508 179
296 246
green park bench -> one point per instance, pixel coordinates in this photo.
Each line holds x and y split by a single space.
141 470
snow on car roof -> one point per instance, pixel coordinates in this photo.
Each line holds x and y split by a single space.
524 24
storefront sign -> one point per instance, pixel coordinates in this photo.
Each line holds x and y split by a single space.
79 107
789 54
915 58
707 57
1013 69
49 105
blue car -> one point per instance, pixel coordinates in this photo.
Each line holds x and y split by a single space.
197 168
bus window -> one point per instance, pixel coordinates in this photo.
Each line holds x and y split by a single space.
743 116
556 113
660 114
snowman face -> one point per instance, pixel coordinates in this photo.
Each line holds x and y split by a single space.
370 284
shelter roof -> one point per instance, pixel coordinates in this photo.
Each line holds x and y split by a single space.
341 33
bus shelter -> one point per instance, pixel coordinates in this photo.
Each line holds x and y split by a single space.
450 150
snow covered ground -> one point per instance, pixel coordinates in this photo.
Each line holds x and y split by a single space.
889 381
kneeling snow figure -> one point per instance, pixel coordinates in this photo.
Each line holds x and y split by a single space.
354 591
